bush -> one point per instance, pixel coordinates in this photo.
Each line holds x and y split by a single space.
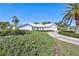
35 44
4 32
29 32
69 33
12 32
21 32
60 28
44 30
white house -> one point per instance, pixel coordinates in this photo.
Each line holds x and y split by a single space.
32 26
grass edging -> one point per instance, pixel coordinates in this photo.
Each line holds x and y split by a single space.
69 33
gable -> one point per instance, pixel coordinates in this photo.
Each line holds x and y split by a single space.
39 25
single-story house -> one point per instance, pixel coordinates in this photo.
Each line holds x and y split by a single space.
32 26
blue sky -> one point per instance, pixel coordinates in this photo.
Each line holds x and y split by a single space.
31 12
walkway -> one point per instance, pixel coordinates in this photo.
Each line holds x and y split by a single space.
64 38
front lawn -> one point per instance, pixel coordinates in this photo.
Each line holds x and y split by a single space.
30 44
68 49
69 33
35 43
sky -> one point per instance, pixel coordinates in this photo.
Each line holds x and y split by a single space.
32 12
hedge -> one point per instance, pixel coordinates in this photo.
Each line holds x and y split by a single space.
70 33
12 32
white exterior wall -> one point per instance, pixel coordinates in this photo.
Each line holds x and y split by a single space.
27 27
50 28
53 28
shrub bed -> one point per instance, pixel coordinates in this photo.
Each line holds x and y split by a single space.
12 32
35 44
69 33
4 32
20 32
29 32
44 30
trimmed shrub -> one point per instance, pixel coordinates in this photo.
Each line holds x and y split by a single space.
35 44
29 32
12 32
4 32
69 33
21 32
44 30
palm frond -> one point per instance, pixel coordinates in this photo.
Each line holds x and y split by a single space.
67 19
67 11
72 4
71 20
66 16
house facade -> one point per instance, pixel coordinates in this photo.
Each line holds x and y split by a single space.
32 26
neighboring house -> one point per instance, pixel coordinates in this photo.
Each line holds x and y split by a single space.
4 25
32 26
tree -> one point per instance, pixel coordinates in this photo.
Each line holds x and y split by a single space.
15 22
72 14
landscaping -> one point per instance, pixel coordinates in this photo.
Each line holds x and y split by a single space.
35 43
17 42
12 32
31 44
68 49
69 33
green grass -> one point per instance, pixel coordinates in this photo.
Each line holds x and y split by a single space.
35 44
69 33
68 49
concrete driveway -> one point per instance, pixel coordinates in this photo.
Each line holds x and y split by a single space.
64 38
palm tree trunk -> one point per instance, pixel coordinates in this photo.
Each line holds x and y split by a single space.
77 26
68 28
16 25
77 22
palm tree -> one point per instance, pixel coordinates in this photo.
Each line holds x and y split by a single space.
44 23
36 24
15 21
72 14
